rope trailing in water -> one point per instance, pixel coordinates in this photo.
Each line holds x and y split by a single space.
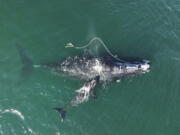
68 45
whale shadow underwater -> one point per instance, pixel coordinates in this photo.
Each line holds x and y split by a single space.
93 69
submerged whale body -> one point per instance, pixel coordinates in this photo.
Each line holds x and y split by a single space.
92 70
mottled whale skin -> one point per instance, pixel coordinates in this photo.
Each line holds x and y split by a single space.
88 68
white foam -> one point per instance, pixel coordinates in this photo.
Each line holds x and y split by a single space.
13 111
31 131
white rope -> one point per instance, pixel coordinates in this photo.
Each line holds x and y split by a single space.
68 45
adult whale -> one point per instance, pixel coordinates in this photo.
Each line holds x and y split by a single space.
91 69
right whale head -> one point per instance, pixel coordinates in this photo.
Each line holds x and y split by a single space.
135 67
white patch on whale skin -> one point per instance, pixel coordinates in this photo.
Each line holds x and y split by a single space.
13 111
131 69
83 95
98 67
118 81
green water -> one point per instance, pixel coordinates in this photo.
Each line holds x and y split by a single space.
144 105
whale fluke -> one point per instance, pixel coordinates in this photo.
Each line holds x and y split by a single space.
62 113
27 63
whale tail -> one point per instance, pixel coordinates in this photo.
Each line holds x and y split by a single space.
27 63
62 113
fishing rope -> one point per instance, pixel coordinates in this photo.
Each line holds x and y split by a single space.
68 45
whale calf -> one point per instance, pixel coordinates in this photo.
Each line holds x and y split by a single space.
93 70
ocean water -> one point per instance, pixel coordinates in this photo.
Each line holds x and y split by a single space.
144 105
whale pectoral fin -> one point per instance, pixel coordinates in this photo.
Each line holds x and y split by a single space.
97 78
